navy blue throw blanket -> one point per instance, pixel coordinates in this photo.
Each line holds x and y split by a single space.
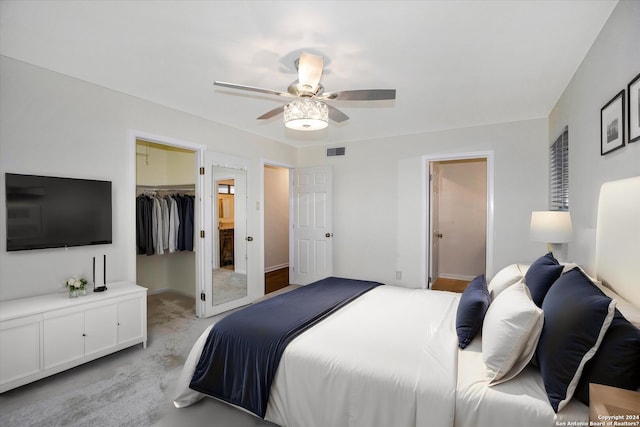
243 350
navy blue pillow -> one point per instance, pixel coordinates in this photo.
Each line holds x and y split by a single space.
576 317
617 362
473 305
541 275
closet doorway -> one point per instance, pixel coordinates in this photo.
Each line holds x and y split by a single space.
165 243
460 218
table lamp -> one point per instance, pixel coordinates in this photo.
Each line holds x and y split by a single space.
551 227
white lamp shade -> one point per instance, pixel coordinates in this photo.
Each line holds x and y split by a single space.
551 226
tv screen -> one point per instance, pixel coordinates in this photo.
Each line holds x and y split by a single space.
52 212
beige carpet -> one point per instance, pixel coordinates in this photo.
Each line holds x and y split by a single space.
128 388
133 387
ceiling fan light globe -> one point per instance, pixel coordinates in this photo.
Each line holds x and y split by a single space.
306 115
306 124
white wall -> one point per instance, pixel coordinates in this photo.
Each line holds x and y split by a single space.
380 221
276 217
611 63
374 240
51 124
54 125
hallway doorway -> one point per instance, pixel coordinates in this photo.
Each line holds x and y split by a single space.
459 220
276 227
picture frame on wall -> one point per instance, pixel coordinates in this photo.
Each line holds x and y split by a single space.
612 124
633 109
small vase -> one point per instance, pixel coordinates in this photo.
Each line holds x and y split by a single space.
73 293
82 292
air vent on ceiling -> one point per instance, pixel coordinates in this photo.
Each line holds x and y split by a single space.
337 151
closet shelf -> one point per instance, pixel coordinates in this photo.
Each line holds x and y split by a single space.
182 187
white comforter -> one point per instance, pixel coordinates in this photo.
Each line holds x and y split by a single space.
388 358
521 401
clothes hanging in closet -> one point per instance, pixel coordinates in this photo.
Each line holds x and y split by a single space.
144 234
164 223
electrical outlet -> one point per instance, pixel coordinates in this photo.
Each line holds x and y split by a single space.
398 275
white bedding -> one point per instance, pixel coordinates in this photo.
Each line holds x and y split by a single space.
388 358
521 401
391 357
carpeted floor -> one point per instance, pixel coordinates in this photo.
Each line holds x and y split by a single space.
133 387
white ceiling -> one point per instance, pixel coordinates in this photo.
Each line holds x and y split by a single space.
454 63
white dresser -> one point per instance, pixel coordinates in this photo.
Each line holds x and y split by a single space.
47 334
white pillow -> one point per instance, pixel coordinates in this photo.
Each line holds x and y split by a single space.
505 278
510 333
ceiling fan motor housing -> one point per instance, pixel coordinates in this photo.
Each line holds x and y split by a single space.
304 90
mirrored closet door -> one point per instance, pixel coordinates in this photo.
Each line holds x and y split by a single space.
225 235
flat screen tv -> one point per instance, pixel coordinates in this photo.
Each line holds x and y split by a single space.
53 212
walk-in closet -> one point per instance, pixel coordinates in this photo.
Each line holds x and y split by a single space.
165 203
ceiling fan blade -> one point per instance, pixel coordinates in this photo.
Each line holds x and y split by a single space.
252 89
310 70
360 95
272 113
337 115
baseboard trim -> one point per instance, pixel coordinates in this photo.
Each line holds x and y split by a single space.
457 277
276 267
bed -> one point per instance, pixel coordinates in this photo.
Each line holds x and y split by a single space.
392 355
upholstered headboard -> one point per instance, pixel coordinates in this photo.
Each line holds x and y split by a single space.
618 238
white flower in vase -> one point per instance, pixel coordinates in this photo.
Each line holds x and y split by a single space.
75 283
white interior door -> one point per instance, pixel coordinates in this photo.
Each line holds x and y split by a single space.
225 284
312 225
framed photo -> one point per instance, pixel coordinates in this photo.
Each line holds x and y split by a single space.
612 124
633 109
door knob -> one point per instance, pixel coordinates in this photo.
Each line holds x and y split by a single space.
439 235
328 235
249 239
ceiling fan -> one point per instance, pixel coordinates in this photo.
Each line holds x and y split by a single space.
308 109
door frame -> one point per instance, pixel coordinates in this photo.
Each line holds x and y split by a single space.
433 215
260 207
426 203
208 309
263 163
198 211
